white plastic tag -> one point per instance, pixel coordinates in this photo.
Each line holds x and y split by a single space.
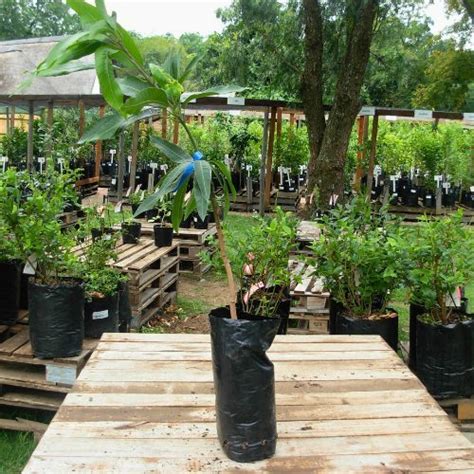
30 265
235 101
118 206
100 315
423 114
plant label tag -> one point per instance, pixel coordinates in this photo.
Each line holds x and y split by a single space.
114 181
438 178
472 189
100 314
367 110
138 188
413 191
112 153
423 114
468 117
428 196
118 206
129 190
454 299
30 265
129 158
153 166
3 160
142 196
235 101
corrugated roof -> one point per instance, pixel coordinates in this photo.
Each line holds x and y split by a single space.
19 57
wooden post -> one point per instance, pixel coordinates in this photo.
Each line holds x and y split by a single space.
121 166
82 117
164 123
49 120
29 155
7 121
361 124
12 117
262 163
133 164
175 131
269 159
279 121
292 119
98 146
373 149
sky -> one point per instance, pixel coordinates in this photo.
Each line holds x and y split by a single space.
149 17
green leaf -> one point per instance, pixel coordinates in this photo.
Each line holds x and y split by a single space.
224 171
63 69
178 201
108 84
130 44
171 65
148 96
202 186
189 68
87 13
213 91
103 129
172 151
160 75
131 86
100 4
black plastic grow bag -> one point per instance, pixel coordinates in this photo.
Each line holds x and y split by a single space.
125 308
445 358
101 315
10 288
131 232
56 319
244 383
387 328
163 236
415 311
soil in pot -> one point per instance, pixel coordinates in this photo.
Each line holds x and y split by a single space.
244 383
101 315
387 327
163 235
444 357
56 319
131 232
10 290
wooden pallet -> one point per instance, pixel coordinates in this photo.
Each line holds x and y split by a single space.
463 408
153 274
307 233
29 382
309 311
145 402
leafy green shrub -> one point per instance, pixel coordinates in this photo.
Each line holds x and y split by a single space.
292 148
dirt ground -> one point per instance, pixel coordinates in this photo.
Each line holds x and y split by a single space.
190 314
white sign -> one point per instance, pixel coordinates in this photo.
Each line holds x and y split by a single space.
153 166
118 206
100 314
423 114
30 265
468 117
235 101
41 161
366 110
3 160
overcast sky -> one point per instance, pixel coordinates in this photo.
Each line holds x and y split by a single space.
149 17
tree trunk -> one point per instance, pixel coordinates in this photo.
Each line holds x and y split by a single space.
312 85
328 156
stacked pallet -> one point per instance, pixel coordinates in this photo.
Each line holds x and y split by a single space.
309 311
192 243
28 382
153 276
68 219
307 233
288 201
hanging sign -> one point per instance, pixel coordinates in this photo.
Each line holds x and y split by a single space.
235 100
367 110
423 114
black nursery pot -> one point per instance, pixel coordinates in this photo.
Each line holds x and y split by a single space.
101 315
448 200
445 358
186 223
163 236
131 232
244 383
56 319
201 224
387 328
10 289
99 233
125 308
468 199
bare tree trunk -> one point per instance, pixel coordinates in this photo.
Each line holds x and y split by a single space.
326 170
312 84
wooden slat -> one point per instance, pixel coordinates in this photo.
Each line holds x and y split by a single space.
13 343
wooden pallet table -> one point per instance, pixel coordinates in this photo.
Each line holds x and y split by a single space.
153 275
307 232
309 310
145 403
29 382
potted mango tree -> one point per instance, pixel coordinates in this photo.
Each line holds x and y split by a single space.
245 396
361 262
441 331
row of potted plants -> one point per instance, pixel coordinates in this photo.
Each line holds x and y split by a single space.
364 256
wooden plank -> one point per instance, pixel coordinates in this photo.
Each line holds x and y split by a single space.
20 424
9 346
35 400
286 429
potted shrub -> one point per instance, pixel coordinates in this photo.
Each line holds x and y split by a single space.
359 258
10 263
131 230
163 231
245 393
55 295
441 333
102 284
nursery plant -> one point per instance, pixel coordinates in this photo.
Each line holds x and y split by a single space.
131 88
441 332
361 261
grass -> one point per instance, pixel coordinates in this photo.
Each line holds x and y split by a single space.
190 307
16 447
